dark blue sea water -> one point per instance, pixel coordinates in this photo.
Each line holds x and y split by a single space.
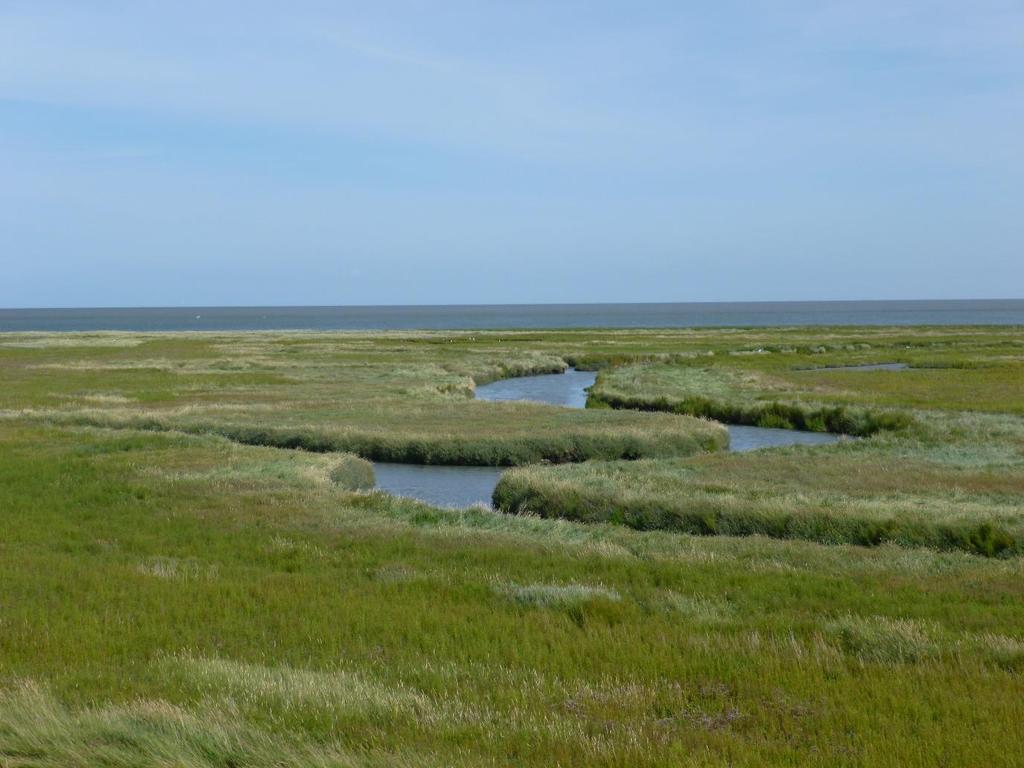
732 314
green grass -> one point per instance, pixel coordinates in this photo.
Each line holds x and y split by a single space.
942 467
169 598
728 396
383 397
474 433
781 390
290 621
827 495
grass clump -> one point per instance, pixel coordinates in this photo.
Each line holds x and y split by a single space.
37 730
175 568
583 604
697 608
352 473
337 696
1007 652
556 595
885 640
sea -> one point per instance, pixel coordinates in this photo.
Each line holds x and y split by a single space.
519 316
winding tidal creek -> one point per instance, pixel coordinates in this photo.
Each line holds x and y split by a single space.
463 486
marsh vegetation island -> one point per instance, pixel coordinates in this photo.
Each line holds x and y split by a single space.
198 568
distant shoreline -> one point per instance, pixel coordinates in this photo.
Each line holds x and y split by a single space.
520 316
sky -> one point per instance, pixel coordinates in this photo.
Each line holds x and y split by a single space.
333 153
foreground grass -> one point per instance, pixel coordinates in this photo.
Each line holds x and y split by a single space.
168 600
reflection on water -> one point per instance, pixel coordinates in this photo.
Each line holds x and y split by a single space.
439 485
567 389
446 486
865 367
752 438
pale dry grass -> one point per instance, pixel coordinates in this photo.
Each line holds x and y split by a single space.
280 543
555 595
37 731
100 398
337 694
698 608
886 640
68 341
173 568
1002 650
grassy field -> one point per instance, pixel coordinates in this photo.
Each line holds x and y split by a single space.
942 464
175 595
386 397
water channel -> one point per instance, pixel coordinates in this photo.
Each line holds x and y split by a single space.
446 486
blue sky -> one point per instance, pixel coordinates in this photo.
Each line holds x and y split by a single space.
196 153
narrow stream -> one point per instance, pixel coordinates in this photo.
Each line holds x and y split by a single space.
753 438
567 389
864 367
462 486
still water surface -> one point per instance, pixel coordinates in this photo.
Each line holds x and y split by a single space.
753 438
463 486
567 389
865 367
437 485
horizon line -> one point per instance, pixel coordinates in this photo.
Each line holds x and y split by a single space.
504 304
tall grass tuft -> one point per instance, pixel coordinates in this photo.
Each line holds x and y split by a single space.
556 595
884 640
352 473
336 695
38 731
